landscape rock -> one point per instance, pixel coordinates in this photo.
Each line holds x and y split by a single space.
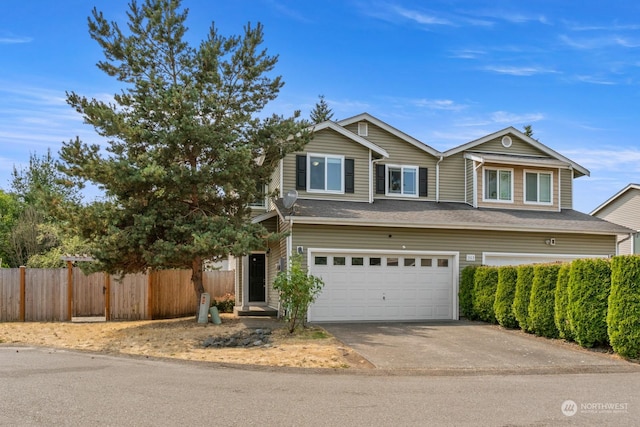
245 338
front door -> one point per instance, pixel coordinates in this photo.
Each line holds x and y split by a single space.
257 278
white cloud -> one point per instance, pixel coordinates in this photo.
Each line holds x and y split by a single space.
607 159
15 40
420 17
595 80
518 71
468 53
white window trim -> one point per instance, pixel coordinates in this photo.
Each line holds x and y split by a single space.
484 185
524 187
402 168
262 205
363 129
326 156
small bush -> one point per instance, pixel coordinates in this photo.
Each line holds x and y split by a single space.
522 296
485 283
505 293
623 318
542 301
224 304
466 292
589 286
561 302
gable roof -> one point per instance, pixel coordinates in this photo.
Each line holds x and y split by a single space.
356 138
537 144
615 197
444 215
395 132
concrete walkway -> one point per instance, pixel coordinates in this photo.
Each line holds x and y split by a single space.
470 348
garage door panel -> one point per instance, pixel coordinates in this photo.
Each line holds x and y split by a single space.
419 288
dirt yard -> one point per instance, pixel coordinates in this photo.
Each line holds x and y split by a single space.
183 339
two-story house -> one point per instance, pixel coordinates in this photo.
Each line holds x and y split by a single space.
388 222
624 208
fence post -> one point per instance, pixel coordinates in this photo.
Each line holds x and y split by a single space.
149 294
69 290
107 296
23 292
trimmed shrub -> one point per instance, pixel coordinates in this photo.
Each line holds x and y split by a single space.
485 282
522 296
505 292
623 318
561 302
589 286
225 303
542 301
465 294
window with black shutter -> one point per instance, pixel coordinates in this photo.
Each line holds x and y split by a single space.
423 182
301 172
380 172
349 175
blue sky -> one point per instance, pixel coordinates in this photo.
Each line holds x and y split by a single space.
445 72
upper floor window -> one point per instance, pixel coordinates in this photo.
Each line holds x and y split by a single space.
325 173
261 197
538 187
402 180
498 185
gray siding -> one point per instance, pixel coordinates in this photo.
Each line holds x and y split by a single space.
625 210
469 175
566 178
329 142
452 179
401 153
518 147
464 241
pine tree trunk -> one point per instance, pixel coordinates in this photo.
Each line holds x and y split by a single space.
196 279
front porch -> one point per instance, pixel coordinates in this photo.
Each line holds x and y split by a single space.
255 310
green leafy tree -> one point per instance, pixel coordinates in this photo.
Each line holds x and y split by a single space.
485 283
623 317
298 290
542 303
562 302
321 111
588 294
505 293
179 168
8 215
523 296
466 292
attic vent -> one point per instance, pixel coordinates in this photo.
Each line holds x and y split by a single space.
506 141
363 129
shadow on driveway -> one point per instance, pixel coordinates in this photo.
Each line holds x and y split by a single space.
469 348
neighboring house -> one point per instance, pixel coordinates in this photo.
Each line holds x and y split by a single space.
624 209
388 222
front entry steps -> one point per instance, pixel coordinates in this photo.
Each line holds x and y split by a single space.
254 310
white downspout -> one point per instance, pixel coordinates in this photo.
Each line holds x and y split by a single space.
438 179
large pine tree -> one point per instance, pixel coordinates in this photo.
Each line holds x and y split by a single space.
180 166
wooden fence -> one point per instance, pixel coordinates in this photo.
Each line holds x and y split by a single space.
34 294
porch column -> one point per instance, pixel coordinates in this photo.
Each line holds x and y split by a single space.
245 283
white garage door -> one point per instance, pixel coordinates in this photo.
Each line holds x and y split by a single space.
380 287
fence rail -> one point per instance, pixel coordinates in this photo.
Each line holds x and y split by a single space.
33 294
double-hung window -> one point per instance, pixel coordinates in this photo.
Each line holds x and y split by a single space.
538 187
326 173
498 185
402 180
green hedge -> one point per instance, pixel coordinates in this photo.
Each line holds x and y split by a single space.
542 301
485 282
466 292
623 318
522 296
561 302
589 286
505 292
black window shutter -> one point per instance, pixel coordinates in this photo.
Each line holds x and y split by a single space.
301 172
380 169
423 178
349 176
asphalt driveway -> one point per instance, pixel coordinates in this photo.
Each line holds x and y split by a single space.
467 348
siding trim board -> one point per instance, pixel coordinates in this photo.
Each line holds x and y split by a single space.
527 258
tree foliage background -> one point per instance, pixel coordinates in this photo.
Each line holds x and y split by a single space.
179 166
